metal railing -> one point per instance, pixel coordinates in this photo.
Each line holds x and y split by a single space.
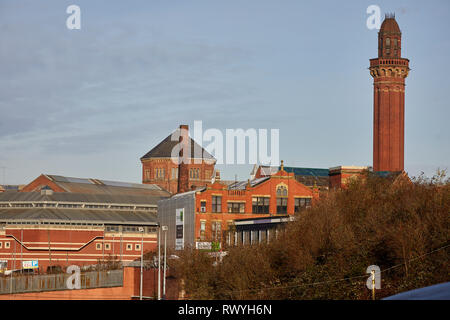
53 282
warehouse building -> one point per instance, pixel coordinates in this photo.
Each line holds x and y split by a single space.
58 221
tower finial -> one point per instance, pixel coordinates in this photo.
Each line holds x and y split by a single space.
282 165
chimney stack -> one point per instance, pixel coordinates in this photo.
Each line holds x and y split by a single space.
184 159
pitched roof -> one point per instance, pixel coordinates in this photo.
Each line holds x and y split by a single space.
74 215
165 147
102 187
80 198
315 172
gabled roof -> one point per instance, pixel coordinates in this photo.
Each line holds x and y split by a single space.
97 186
71 215
165 147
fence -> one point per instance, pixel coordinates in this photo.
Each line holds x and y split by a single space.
53 282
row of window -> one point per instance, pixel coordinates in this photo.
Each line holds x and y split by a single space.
216 230
6 245
74 205
128 246
160 173
259 204
130 229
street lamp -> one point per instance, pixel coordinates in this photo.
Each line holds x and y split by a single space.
165 228
159 263
141 229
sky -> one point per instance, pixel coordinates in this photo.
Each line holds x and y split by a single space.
90 103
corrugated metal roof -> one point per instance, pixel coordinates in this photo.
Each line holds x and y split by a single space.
188 192
240 185
315 172
74 215
298 171
81 197
97 186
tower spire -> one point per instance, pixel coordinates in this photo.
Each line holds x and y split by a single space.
389 71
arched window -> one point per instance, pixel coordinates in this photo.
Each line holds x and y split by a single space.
388 42
282 194
282 191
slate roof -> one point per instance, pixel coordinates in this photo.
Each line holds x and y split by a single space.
77 216
106 187
80 198
165 147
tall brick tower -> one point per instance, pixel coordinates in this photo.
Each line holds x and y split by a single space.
389 71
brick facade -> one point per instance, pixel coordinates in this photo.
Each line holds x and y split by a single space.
70 245
212 214
389 71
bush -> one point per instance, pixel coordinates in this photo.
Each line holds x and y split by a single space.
392 222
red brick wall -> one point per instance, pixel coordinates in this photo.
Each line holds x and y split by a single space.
70 246
267 188
169 184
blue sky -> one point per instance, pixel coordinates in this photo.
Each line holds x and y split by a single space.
91 102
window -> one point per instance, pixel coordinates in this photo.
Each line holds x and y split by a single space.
129 246
174 173
282 194
112 229
202 229
236 207
98 246
216 203
281 205
216 228
137 247
7 245
388 42
194 173
302 203
130 229
107 246
282 191
202 206
1 244
260 204
147 175
159 173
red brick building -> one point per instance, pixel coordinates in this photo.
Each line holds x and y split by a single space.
77 221
161 165
209 212
389 71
